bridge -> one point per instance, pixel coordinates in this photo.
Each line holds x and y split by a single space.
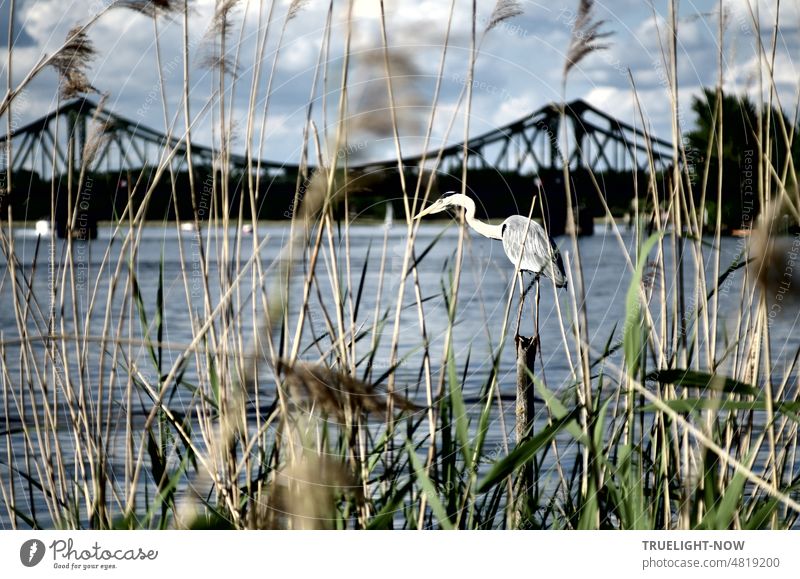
597 141
61 140
81 132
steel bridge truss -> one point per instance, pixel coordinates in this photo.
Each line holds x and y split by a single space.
66 137
594 140
81 131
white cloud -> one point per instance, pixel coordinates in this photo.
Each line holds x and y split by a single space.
518 71
616 102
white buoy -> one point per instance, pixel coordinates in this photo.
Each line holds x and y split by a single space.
42 227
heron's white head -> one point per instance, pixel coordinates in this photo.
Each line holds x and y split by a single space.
449 199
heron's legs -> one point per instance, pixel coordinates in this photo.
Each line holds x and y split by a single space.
534 310
535 280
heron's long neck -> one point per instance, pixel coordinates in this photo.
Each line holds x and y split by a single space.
485 229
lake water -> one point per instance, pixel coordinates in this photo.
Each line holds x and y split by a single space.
484 290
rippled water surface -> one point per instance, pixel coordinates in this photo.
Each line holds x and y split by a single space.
482 302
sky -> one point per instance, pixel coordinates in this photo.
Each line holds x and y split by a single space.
518 68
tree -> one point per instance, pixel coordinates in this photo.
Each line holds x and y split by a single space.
741 150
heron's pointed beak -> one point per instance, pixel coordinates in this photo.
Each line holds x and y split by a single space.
424 212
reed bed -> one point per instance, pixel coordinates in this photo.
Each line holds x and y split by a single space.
675 424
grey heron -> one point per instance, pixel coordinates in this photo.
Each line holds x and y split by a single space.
519 234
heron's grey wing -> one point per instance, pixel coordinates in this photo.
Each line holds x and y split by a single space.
555 268
540 254
521 235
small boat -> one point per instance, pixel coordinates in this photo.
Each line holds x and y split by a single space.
188 226
247 229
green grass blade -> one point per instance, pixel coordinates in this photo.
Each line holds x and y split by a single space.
383 519
632 336
427 487
459 409
523 452
702 380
